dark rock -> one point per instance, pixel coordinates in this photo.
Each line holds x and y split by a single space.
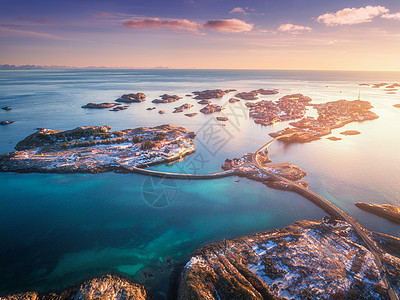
6 122
167 99
129 98
100 105
6 108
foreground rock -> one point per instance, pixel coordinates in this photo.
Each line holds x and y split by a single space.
110 287
307 260
97 149
100 105
131 98
387 211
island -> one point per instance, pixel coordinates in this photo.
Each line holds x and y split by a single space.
289 107
191 115
6 122
98 149
233 100
252 95
204 102
167 99
211 94
131 98
7 108
350 132
387 211
182 107
118 108
100 105
397 105
331 115
306 260
210 108
334 138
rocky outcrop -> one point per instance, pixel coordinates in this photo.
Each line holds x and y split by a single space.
247 95
210 108
167 99
182 107
100 105
110 287
118 108
387 211
6 122
130 98
350 132
6 108
191 115
397 105
211 94
307 260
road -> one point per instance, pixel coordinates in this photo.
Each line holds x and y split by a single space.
298 188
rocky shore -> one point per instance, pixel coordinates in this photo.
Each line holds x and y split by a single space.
387 211
97 149
307 260
110 287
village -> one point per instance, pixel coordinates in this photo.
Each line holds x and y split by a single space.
97 149
286 108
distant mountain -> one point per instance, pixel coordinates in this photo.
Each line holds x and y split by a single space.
30 67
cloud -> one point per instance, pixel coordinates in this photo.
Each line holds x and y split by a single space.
392 16
238 10
228 25
27 33
156 23
293 28
350 16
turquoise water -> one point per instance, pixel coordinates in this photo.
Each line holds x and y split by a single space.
57 229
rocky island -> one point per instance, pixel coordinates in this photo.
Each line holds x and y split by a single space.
7 108
167 99
6 122
97 149
100 105
306 260
350 132
211 94
252 95
182 107
331 115
268 112
210 108
387 211
131 98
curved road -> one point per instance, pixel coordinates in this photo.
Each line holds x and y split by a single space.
298 188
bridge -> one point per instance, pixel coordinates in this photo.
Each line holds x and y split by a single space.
332 210
170 175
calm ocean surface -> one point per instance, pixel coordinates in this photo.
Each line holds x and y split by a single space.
57 229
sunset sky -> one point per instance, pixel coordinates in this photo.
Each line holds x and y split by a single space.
215 34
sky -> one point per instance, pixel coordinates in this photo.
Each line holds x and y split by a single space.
203 34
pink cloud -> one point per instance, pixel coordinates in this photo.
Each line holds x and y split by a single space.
238 10
350 16
392 16
156 23
228 25
293 28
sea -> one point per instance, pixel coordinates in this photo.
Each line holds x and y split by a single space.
59 229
